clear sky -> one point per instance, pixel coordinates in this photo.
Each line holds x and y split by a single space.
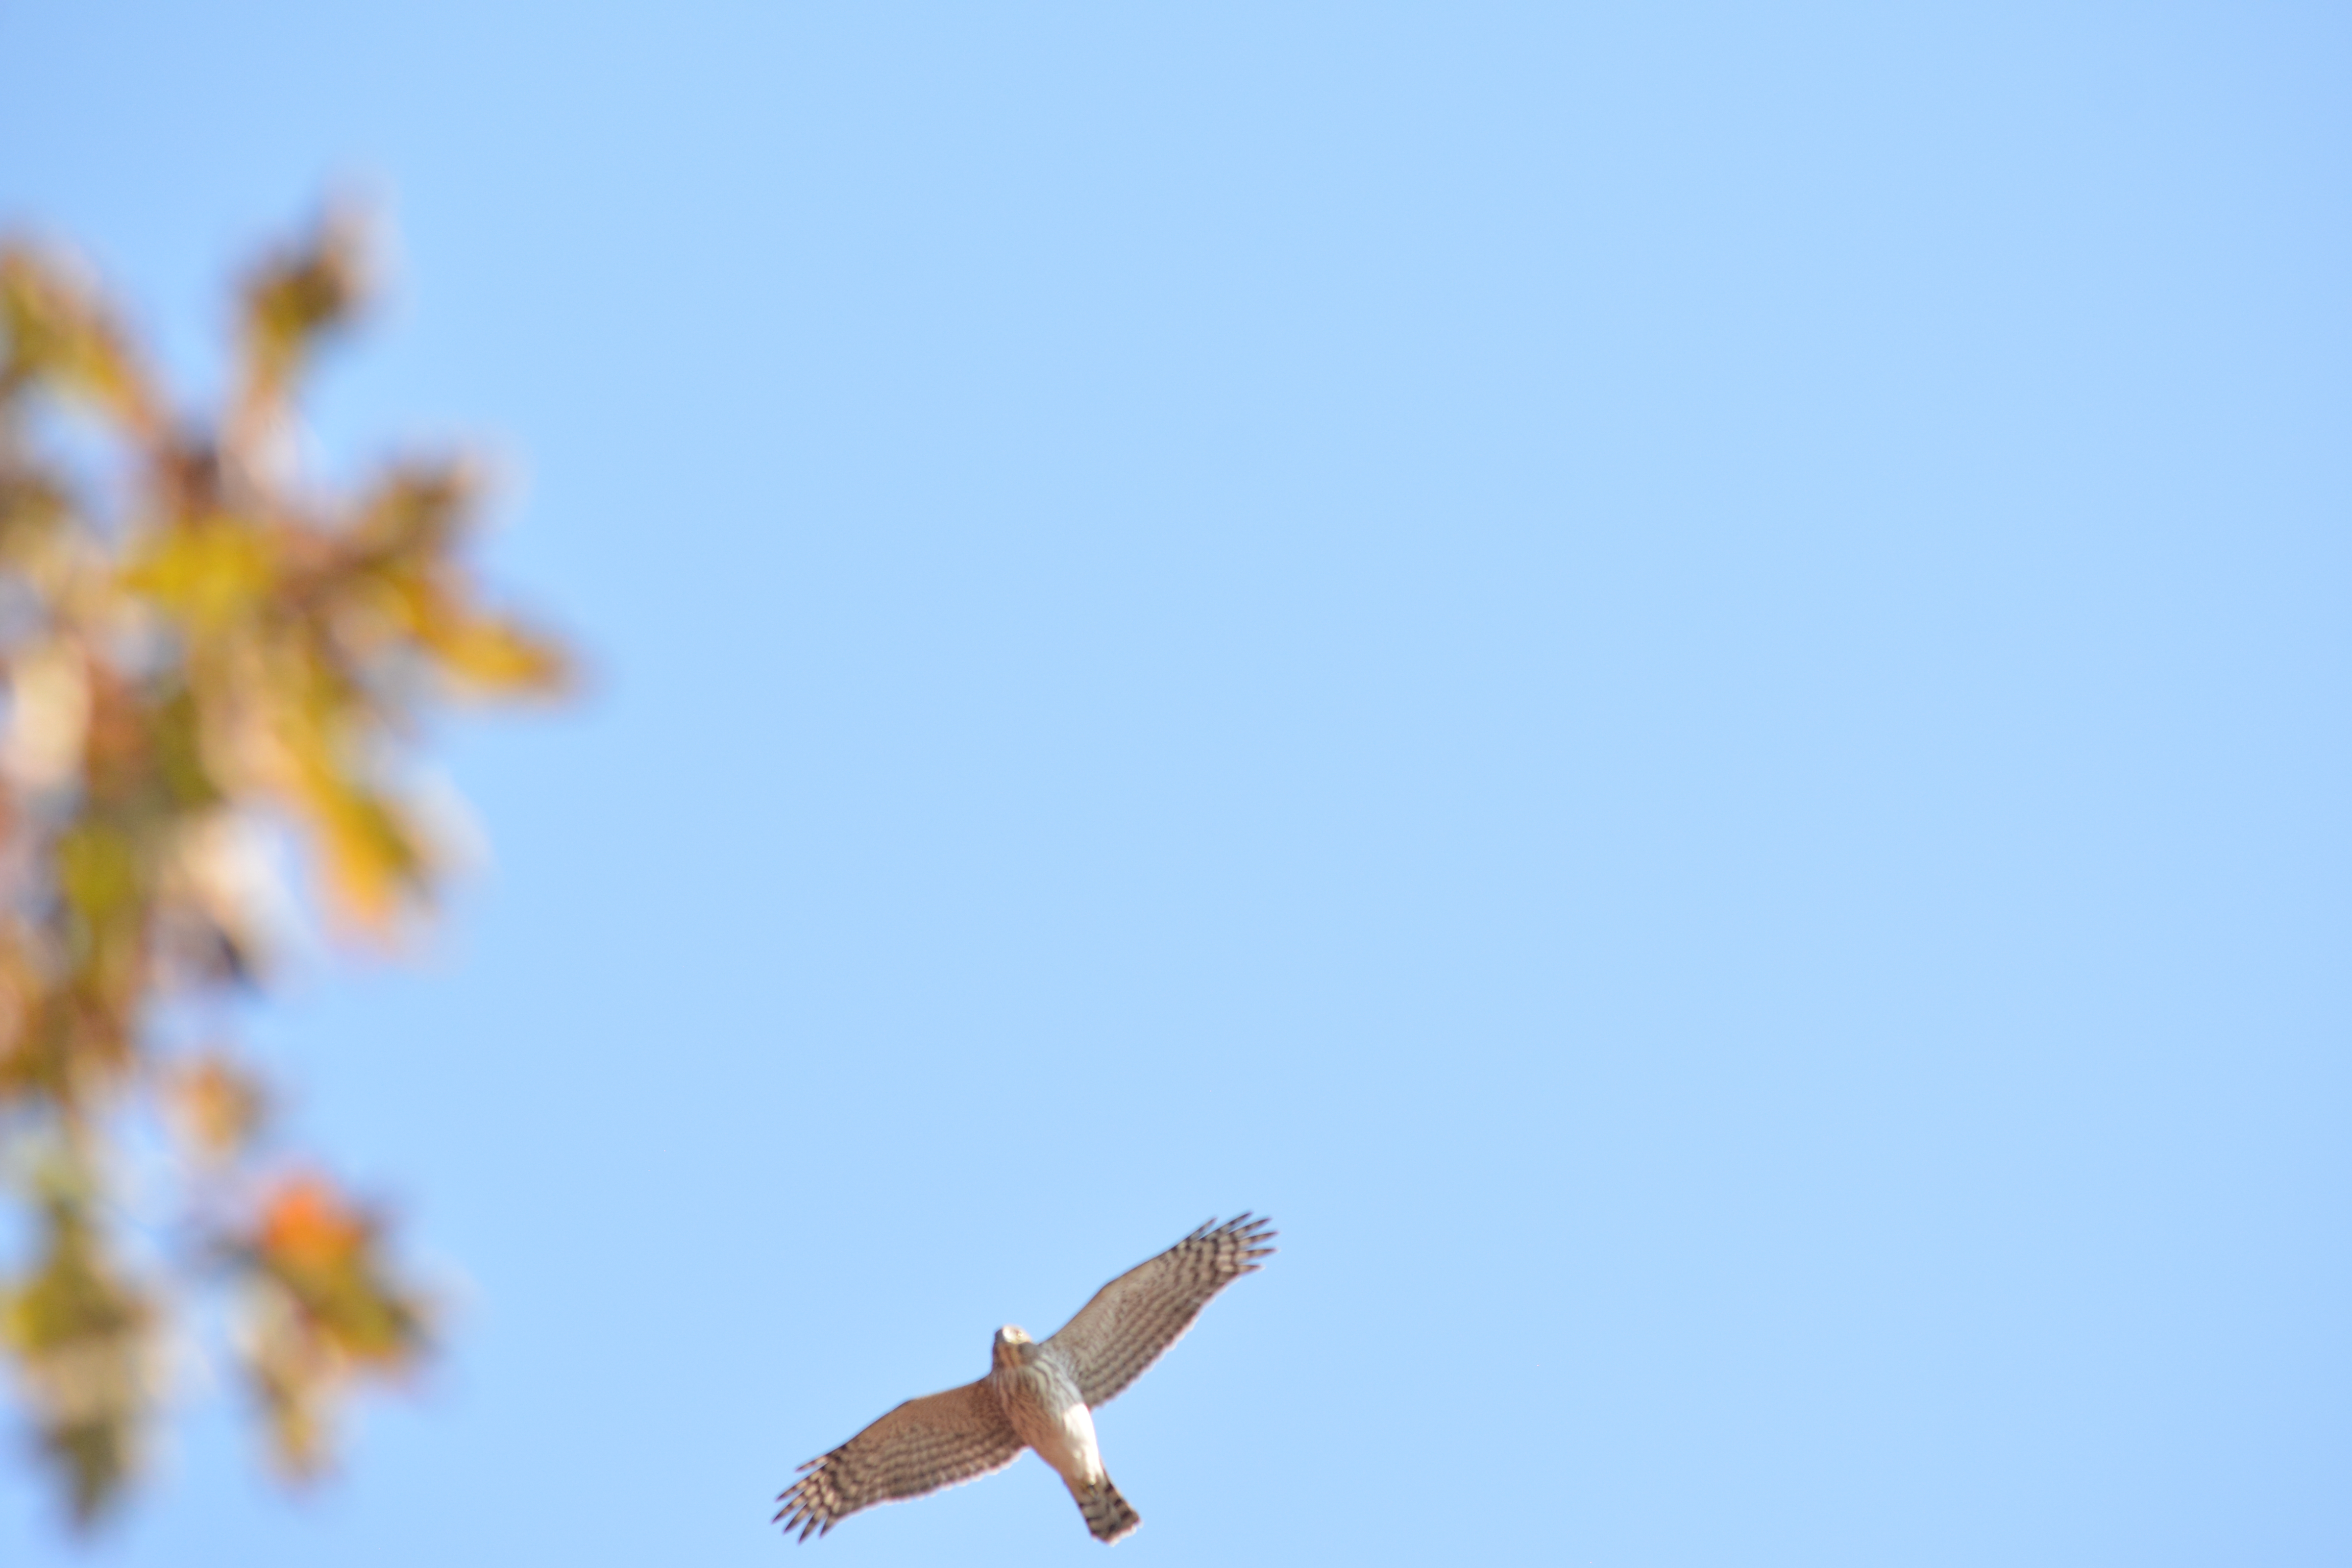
1675 677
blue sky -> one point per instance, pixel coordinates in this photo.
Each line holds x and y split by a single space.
1674 676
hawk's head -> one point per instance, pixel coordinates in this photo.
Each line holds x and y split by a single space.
1011 1347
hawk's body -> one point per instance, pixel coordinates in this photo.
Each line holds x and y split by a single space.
1039 1390
1036 1395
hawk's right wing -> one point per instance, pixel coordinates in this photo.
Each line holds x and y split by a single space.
1146 1309
922 1445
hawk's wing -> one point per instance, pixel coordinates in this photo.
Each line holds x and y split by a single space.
922 1445
1142 1313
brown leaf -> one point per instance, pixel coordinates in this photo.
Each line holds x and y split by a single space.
218 1105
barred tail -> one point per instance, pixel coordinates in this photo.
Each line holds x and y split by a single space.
1108 1517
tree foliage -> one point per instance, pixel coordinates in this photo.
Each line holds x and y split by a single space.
212 667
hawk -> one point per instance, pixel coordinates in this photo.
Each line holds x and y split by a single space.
1034 1395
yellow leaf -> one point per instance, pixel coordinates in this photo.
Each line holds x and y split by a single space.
498 657
206 575
57 331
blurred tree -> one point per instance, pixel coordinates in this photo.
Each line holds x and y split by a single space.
205 657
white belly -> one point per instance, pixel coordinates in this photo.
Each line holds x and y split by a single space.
1050 1417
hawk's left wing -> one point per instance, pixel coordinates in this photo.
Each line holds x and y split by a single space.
920 1446
1146 1309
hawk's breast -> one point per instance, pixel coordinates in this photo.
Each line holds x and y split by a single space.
1042 1402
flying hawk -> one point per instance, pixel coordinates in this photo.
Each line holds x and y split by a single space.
1034 1395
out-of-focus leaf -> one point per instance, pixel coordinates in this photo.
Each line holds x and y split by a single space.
498 657
58 333
80 1332
100 870
298 295
375 862
181 766
193 645
219 902
48 691
209 574
324 1310
414 511
34 509
217 1106
21 993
